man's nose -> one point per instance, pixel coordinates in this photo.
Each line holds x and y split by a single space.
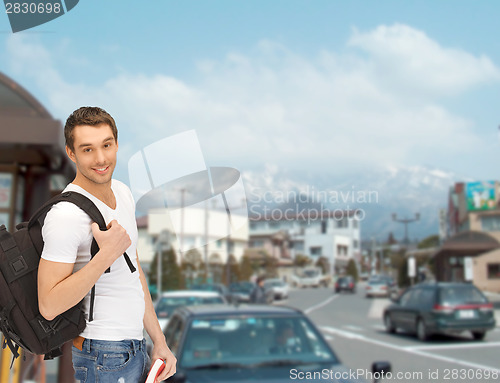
100 158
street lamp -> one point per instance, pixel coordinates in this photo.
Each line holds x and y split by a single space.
181 244
405 221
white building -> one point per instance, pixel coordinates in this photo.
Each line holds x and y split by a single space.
211 232
333 235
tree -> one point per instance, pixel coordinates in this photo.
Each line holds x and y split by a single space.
352 269
192 268
193 257
301 260
188 274
246 268
234 270
323 264
430 241
171 274
270 266
202 273
391 240
215 267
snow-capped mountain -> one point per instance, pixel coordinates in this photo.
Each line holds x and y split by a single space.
379 193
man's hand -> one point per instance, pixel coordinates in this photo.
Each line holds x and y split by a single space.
112 242
59 288
163 352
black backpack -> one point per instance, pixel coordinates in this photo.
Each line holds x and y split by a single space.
20 319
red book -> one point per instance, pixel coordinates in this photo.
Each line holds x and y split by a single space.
155 370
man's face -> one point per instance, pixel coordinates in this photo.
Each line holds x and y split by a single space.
94 153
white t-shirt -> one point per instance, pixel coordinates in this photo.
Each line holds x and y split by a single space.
119 299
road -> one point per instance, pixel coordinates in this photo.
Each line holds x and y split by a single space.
353 326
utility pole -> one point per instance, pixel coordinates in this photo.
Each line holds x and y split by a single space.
181 244
373 256
228 241
205 248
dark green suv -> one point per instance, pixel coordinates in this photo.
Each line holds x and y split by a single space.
441 308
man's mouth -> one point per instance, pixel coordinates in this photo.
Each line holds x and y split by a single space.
101 170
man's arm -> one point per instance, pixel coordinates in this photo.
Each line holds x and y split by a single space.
160 348
59 289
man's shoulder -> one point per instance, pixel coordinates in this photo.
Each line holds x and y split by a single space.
67 212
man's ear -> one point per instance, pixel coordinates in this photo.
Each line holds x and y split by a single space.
70 154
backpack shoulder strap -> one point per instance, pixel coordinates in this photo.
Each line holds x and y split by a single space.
78 199
88 207
93 212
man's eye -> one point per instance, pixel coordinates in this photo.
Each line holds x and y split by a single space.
87 150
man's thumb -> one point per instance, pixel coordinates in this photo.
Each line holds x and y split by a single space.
95 228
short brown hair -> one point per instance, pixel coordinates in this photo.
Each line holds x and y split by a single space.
87 115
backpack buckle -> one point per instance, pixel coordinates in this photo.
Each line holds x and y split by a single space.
45 326
49 327
18 265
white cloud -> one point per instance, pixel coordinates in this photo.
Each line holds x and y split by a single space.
407 57
335 111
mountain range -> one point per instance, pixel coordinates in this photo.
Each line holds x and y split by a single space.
378 194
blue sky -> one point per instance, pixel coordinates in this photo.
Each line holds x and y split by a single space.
306 86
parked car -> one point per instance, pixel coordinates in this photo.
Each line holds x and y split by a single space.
278 287
441 308
311 277
391 284
250 343
347 283
171 300
388 279
377 287
218 287
364 276
240 291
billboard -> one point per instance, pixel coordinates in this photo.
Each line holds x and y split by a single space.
5 190
480 195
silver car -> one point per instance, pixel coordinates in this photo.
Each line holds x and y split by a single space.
169 301
377 288
278 287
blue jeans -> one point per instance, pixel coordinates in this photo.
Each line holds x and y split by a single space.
103 361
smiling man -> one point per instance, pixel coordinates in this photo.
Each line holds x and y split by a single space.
112 347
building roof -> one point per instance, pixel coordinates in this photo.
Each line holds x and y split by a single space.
30 135
468 243
16 101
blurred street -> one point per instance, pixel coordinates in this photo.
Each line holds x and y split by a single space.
353 326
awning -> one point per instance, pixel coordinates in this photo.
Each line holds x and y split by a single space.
468 243
29 134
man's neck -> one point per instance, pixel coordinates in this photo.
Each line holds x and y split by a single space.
103 192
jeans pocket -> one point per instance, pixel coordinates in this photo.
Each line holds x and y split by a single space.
115 360
81 374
